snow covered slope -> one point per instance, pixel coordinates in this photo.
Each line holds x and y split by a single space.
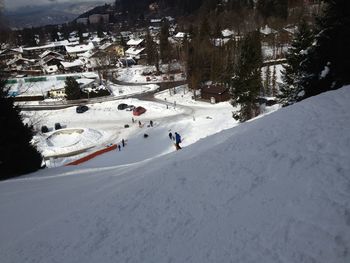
276 189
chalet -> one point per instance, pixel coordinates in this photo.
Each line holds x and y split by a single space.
75 66
136 43
9 54
135 53
73 51
215 93
58 46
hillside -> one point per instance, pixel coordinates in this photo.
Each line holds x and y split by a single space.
275 189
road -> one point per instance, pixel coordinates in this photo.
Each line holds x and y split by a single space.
65 104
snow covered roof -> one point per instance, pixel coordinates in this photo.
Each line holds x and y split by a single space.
291 29
267 30
227 33
180 35
80 48
75 63
105 45
134 51
50 45
48 52
134 42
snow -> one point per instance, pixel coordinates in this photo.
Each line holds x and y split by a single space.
275 189
80 48
325 71
134 74
134 42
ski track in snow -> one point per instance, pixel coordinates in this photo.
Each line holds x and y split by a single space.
276 189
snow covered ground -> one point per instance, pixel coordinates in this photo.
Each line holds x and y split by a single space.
134 74
173 112
275 189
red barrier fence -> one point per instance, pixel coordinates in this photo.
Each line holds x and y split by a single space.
93 155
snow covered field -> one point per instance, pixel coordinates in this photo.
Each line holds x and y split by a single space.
134 74
275 189
193 120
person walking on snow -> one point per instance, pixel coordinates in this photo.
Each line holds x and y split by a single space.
123 142
151 123
177 141
170 136
140 124
119 147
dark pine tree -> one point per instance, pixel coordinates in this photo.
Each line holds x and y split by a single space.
72 89
152 52
247 81
17 154
164 45
327 64
291 90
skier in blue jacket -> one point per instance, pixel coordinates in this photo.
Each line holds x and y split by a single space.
177 141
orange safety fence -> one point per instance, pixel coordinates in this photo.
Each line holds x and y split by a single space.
93 155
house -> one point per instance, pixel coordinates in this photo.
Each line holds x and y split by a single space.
57 93
73 51
136 43
215 93
126 62
135 53
74 66
9 54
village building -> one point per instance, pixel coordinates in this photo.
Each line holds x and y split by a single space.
215 93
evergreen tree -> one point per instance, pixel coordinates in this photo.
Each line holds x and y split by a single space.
274 82
164 45
267 82
327 62
72 89
247 81
17 154
273 8
152 52
293 70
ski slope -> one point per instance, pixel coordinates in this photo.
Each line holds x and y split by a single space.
275 189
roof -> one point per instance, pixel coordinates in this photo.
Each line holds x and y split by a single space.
134 51
47 52
50 45
134 42
180 35
75 63
80 48
227 33
267 30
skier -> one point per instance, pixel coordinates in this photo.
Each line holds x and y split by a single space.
151 123
140 124
123 142
170 136
177 141
133 120
119 147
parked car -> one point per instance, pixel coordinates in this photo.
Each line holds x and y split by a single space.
81 109
130 108
44 129
122 106
138 111
58 126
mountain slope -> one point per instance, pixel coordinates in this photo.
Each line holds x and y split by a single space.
276 189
